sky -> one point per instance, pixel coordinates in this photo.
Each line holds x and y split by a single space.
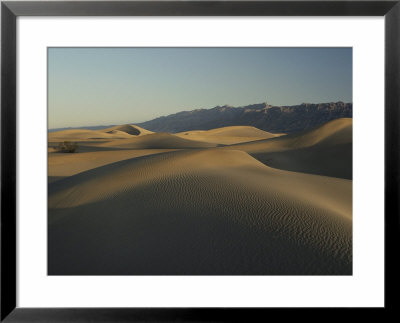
106 86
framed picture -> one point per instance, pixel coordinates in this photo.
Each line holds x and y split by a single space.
197 160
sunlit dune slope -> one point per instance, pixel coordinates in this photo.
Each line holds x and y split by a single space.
63 165
83 135
157 141
335 132
228 135
84 146
207 211
129 129
326 150
117 132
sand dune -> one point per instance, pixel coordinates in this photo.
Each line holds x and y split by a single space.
64 165
85 146
334 160
208 211
84 135
326 150
228 135
157 141
233 200
117 132
241 131
335 132
129 129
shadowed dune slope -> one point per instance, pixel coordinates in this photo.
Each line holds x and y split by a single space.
194 212
227 135
335 132
157 141
326 160
129 129
326 150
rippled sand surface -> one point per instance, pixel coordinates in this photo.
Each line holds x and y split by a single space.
166 204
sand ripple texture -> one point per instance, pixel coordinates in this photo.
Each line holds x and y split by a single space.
199 212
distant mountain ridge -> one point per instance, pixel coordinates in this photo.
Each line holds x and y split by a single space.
276 119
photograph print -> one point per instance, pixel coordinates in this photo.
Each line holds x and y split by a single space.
200 161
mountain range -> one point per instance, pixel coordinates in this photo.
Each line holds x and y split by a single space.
276 119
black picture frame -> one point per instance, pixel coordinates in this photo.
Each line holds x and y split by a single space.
10 10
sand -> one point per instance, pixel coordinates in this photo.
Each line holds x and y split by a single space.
117 132
64 165
129 129
326 150
158 141
228 135
84 135
162 204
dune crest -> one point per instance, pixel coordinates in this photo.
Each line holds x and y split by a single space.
117 132
213 207
325 150
228 135
82 135
63 165
157 141
129 129
233 200
338 131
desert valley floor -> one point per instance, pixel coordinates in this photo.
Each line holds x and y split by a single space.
227 201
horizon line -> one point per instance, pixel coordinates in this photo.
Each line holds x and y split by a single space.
217 106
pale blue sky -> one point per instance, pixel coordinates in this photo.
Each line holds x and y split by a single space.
102 86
